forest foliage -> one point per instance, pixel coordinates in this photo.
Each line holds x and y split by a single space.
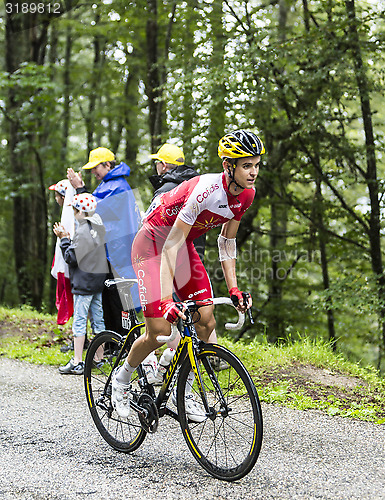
305 75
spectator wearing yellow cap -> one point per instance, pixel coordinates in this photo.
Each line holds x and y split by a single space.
120 214
170 169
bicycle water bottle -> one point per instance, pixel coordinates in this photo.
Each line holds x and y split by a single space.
164 361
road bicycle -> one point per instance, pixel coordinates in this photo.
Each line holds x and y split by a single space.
228 441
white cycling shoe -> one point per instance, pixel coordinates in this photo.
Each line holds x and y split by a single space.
120 397
150 365
194 411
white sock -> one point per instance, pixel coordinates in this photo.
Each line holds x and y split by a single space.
124 374
189 383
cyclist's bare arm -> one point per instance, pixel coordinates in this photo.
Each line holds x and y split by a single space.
229 231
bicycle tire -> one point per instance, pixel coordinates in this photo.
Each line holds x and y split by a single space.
225 445
123 434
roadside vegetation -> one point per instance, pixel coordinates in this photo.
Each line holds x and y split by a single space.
303 374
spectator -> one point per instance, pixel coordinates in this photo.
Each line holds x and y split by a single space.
172 171
64 194
86 259
120 214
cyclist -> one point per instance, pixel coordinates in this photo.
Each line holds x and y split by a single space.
164 257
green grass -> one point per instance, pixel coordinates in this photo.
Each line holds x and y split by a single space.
34 337
273 369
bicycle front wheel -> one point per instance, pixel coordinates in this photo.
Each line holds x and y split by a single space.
228 441
123 434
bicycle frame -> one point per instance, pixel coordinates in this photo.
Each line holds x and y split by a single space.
189 345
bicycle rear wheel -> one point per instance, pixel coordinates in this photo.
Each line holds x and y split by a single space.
228 442
123 434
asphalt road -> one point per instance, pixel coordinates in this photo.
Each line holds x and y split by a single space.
49 449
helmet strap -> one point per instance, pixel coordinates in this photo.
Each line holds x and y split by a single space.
231 172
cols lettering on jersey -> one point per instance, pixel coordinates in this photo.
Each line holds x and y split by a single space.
202 196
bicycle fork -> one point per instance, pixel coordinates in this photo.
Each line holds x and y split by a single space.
192 349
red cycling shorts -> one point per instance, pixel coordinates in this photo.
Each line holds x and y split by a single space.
190 281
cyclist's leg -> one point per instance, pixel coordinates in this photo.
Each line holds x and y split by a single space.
148 342
198 287
206 324
146 257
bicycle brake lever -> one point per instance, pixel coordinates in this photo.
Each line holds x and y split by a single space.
246 296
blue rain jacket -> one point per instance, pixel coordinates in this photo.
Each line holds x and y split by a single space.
121 217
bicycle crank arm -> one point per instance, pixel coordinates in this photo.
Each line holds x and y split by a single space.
139 409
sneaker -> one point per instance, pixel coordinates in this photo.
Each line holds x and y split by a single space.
120 397
218 364
71 369
194 411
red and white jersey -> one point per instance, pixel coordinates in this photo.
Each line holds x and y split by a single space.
203 202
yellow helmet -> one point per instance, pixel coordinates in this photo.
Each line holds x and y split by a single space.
239 144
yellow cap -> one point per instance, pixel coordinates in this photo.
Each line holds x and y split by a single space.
99 155
169 154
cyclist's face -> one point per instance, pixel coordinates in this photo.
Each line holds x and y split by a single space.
246 171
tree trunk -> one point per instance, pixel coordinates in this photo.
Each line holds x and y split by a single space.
67 87
153 80
26 42
97 71
278 226
371 166
322 235
319 214
131 96
217 107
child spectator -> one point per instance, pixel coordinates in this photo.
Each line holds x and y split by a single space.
64 194
86 258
